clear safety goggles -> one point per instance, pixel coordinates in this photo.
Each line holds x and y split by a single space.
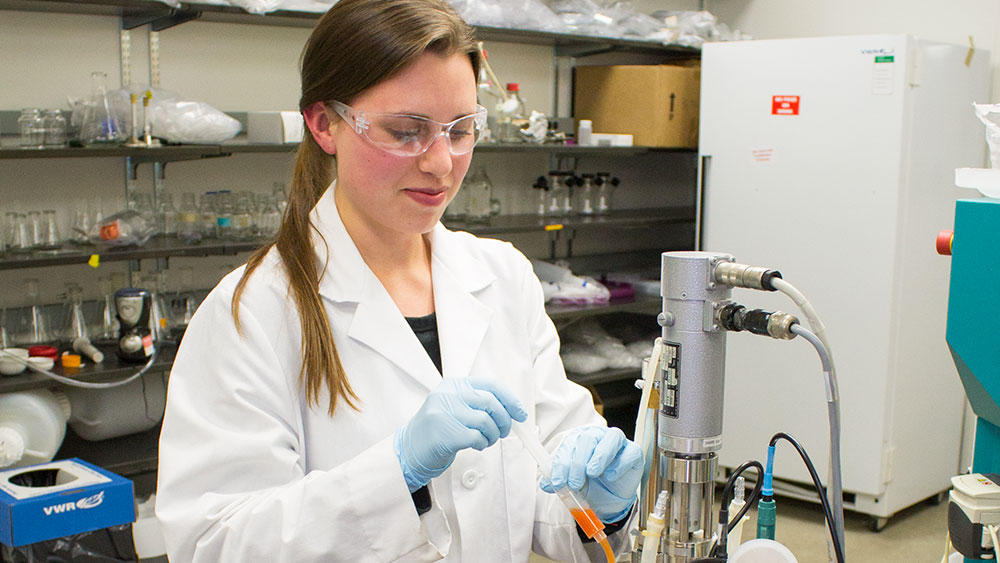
411 135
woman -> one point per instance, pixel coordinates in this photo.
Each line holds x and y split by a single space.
345 395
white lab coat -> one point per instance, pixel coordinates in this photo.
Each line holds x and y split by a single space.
249 473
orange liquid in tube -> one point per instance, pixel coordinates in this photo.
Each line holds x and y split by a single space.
589 522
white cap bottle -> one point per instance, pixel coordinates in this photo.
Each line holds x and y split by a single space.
584 132
32 426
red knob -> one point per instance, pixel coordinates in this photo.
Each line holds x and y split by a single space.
944 240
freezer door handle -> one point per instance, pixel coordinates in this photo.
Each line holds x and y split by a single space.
699 210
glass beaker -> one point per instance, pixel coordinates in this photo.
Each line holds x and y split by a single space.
74 322
100 124
480 205
35 229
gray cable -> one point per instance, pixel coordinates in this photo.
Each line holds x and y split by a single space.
833 408
84 384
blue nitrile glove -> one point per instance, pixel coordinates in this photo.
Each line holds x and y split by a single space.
459 413
601 463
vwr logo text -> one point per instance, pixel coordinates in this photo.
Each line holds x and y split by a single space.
82 504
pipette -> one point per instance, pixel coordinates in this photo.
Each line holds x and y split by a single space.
578 507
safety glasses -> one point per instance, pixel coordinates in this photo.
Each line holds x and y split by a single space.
411 135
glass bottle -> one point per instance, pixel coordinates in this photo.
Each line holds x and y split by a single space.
143 204
480 204
55 128
100 124
167 214
510 112
555 195
270 218
35 231
207 215
223 214
280 197
458 206
585 195
24 127
605 187
188 229
241 219
542 185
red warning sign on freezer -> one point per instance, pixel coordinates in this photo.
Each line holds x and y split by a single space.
784 105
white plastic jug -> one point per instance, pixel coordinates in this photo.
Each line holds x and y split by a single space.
32 426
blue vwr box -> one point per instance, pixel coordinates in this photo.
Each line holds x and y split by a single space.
77 497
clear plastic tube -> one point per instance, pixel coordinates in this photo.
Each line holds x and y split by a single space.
578 507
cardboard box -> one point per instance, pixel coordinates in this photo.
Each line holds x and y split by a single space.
274 127
81 498
656 104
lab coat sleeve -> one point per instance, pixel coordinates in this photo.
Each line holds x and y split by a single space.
232 485
560 406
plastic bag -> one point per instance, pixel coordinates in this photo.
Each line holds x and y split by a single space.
174 119
514 14
257 6
586 17
989 114
578 358
122 229
107 545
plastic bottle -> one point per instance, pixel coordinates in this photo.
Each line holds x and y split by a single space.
584 133
32 426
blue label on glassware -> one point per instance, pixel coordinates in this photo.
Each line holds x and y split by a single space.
223 221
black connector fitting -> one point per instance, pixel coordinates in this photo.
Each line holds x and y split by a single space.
765 280
736 318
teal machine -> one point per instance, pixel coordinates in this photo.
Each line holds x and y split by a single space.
973 337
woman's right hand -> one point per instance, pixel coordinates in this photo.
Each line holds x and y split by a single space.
459 413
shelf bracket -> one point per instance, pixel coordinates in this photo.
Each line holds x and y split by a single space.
160 19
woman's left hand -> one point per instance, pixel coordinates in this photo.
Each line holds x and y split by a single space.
601 463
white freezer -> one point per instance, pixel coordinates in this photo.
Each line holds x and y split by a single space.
832 160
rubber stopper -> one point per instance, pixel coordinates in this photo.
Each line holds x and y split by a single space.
944 240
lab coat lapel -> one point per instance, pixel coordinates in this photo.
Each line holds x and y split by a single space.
463 319
376 322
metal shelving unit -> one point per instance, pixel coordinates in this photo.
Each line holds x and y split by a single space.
164 247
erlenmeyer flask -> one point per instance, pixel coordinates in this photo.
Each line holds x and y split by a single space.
74 323
36 330
108 329
100 125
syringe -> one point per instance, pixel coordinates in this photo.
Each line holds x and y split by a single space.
578 507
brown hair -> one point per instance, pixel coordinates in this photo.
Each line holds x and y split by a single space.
355 45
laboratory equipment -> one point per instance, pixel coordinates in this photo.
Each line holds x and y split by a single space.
100 123
542 185
167 215
845 146
187 219
49 231
101 414
133 140
975 501
585 195
270 216
54 124
36 330
147 128
207 217
585 517
28 125
74 323
680 422
585 132
32 426
558 195
480 203
108 328
511 114
606 186
135 340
